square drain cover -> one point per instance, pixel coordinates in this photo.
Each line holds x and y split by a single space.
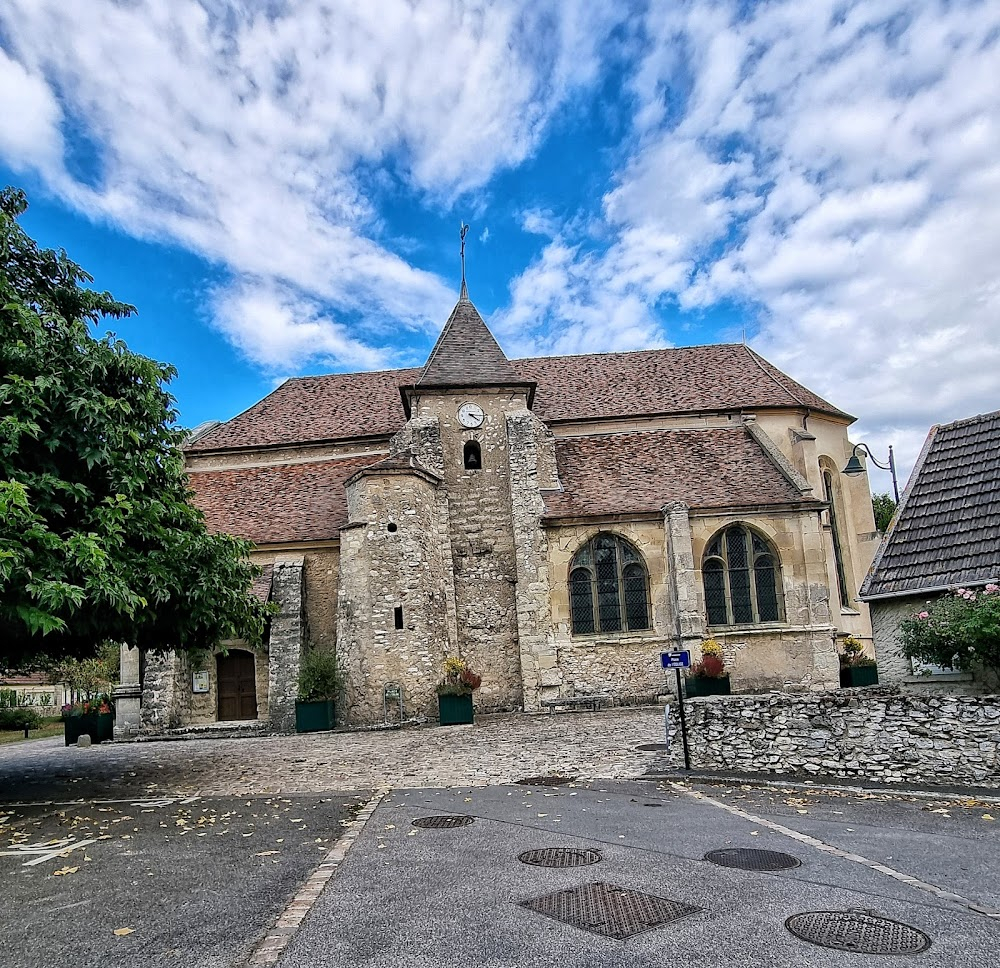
613 912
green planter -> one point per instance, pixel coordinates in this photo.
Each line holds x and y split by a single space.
866 675
98 726
313 716
695 686
455 710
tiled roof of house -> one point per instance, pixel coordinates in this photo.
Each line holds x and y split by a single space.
261 586
466 354
687 379
607 474
947 529
278 502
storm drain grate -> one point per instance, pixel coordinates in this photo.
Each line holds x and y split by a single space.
752 859
860 931
561 857
552 780
441 822
653 747
613 912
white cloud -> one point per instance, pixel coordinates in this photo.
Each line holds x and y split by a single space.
29 134
484 236
279 327
836 165
261 136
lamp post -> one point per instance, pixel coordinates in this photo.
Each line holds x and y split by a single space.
855 467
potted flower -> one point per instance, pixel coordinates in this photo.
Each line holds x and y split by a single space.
455 692
93 717
856 669
319 683
708 676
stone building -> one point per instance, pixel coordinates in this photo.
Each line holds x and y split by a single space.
558 522
945 535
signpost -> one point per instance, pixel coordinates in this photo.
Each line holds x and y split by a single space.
677 661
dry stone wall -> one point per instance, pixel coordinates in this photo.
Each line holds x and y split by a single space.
873 734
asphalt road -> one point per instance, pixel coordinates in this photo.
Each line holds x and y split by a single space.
454 897
196 882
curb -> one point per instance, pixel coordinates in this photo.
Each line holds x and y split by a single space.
270 949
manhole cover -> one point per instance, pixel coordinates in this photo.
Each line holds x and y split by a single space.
860 931
613 912
653 747
751 859
440 822
560 857
546 780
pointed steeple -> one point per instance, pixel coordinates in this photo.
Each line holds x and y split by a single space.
466 354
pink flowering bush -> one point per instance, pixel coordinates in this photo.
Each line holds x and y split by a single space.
960 630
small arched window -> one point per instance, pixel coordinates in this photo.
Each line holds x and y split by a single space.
741 576
472 456
608 587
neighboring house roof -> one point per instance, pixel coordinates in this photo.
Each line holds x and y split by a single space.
261 587
688 379
466 354
608 474
946 531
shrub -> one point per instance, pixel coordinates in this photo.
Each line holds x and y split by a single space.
459 678
960 630
712 665
853 655
319 676
19 719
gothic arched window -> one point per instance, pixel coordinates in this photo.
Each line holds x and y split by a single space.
472 455
608 587
742 578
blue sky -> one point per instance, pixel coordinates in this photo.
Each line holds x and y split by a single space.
278 187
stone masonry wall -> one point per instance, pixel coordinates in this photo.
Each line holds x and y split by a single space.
873 734
395 557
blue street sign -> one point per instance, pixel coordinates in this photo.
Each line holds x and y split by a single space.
675 660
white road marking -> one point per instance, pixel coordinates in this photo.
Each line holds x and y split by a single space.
940 892
46 851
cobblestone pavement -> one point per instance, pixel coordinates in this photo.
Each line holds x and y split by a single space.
498 749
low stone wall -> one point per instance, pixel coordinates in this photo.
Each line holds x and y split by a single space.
881 735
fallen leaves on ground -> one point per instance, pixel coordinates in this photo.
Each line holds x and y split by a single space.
65 870
121 932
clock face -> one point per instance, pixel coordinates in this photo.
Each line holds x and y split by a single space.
470 415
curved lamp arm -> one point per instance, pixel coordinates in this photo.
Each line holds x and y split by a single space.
855 467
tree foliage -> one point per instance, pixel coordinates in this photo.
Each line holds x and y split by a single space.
960 630
99 540
884 507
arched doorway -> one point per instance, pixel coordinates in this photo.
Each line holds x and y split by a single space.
237 685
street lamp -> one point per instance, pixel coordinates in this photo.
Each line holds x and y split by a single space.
855 467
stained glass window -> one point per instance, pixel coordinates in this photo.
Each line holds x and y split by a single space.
741 578
608 587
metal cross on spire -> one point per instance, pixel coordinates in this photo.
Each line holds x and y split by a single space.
462 232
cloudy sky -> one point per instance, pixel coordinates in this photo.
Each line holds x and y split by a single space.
278 186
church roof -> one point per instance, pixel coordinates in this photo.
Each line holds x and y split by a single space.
466 354
690 379
278 502
946 531
608 474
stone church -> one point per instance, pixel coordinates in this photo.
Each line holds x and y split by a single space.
557 522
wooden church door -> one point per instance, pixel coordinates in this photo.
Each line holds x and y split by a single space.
237 685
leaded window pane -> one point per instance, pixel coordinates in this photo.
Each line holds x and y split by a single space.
715 592
741 579
581 600
609 574
636 606
767 593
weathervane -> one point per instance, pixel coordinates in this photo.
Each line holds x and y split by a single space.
462 232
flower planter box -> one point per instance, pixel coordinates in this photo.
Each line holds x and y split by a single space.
98 726
455 710
695 686
858 676
314 716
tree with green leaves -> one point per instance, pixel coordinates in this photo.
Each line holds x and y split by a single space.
884 507
99 540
